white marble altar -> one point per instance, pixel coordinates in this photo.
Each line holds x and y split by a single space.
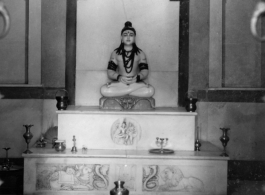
94 172
95 128
116 152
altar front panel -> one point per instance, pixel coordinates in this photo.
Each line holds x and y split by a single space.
100 129
95 172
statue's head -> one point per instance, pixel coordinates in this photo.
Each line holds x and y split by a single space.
128 34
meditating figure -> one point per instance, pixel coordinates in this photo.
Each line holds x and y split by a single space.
127 68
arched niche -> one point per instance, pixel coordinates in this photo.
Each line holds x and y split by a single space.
183 48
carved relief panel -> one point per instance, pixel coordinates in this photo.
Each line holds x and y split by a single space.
73 177
169 178
126 173
125 131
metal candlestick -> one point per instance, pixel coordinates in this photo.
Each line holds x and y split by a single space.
74 149
224 139
27 135
197 142
197 145
161 142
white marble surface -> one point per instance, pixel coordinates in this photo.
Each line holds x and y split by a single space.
166 87
94 128
175 111
129 154
88 84
200 172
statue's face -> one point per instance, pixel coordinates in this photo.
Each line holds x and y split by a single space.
128 37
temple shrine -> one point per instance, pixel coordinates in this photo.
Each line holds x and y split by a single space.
146 141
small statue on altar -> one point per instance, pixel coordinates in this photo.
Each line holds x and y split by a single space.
127 68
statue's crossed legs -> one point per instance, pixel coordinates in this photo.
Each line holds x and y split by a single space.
120 89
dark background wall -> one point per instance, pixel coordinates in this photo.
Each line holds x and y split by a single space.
36 104
199 44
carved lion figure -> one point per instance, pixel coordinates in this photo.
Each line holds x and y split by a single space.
174 180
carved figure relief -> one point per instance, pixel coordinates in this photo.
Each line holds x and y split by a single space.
126 173
127 102
150 178
174 180
169 178
125 131
76 177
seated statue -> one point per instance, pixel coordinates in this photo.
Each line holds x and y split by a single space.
127 68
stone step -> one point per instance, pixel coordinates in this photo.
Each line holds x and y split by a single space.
95 128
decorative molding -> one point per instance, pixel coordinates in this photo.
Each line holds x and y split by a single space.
170 178
73 177
28 92
222 95
127 103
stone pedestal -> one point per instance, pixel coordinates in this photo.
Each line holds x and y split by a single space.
94 172
102 129
127 103
114 145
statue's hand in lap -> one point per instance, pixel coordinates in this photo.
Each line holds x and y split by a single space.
127 68
128 80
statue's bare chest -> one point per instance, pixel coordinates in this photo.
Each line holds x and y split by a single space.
128 68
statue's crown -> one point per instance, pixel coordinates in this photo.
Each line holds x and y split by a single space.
128 26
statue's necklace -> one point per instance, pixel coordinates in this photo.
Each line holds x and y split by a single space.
128 56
